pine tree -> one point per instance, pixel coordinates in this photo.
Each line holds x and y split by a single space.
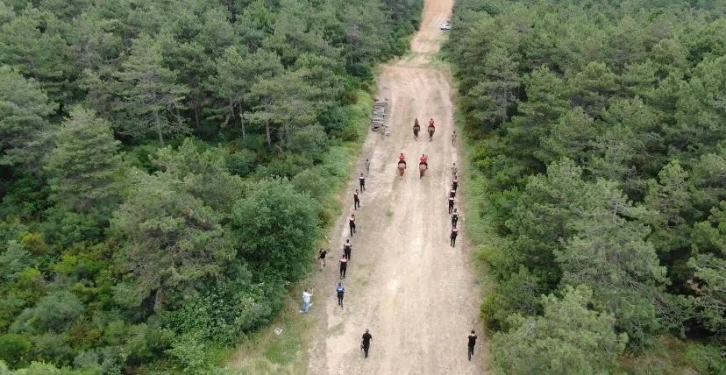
168 240
84 169
23 111
151 98
568 339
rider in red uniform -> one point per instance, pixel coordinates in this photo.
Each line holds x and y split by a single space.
424 159
401 157
431 122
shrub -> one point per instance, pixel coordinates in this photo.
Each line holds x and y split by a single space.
15 349
279 228
54 313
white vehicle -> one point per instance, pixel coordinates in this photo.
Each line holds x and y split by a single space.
445 26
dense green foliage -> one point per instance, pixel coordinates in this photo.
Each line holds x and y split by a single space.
568 338
598 130
166 168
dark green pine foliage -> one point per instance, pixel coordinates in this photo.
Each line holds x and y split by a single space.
598 137
166 169
85 175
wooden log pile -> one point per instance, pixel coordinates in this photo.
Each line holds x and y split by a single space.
378 118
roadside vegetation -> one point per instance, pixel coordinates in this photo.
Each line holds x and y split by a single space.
167 168
597 151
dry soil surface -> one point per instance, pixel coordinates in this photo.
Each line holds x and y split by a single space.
405 283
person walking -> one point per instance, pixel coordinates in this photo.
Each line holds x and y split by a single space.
454 234
356 200
362 181
471 344
451 204
343 266
453 138
340 290
321 256
455 183
347 248
454 170
351 224
452 193
307 300
366 344
455 218
368 167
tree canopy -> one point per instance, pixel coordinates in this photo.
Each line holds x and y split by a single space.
598 128
166 169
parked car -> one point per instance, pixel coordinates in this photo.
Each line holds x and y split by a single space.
445 26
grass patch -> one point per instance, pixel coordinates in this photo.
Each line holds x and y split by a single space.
266 352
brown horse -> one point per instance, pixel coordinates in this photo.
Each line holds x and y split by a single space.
431 132
401 168
422 167
416 129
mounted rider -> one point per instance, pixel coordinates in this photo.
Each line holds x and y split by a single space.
431 129
402 159
424 160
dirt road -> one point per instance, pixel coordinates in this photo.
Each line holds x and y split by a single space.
415 293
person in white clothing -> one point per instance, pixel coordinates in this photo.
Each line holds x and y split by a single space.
307 300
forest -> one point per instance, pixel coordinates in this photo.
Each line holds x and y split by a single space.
597 133
167 168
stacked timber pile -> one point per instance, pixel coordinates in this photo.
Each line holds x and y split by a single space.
378 118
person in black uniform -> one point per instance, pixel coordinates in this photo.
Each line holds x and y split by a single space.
454 234
351 224
356 200
362 181
366 344
471 344
343 266
321 255
451 204
455 183
454 218
347 248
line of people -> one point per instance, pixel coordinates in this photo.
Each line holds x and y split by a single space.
340 289
453 211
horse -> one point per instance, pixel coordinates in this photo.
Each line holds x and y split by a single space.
416 129
422 167
432 129
401 168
